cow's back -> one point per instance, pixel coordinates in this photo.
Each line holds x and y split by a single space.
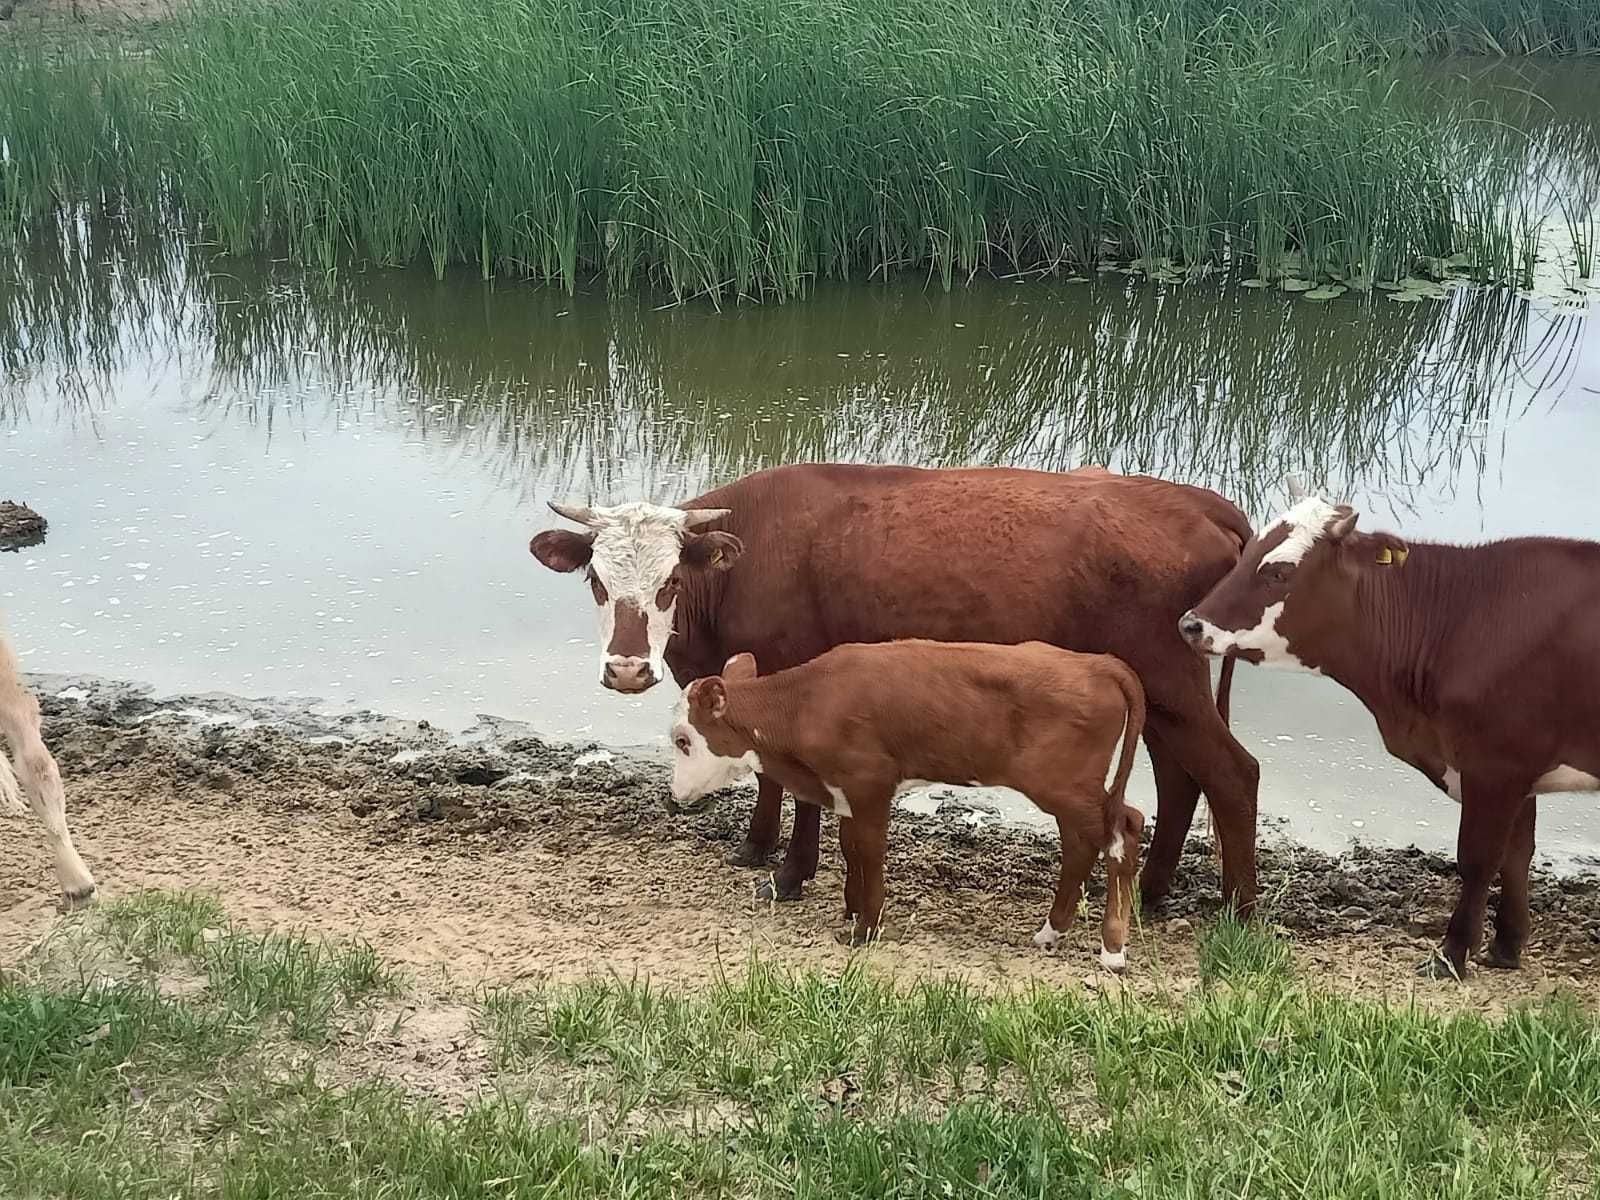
1090 561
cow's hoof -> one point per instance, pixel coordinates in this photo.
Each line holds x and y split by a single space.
1152 902
850 937
1047 936
79 898
1115 961
776 887
747 854
1501 959
1437 966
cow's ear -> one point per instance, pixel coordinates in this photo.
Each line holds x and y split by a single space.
717 550
739 667
708 698
1341 523
562 550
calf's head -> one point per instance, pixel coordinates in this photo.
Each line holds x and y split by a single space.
1292 588
638 560
707 753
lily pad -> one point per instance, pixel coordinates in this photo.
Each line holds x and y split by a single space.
1406 297
1297 285
1327 292
1253 283
1387 285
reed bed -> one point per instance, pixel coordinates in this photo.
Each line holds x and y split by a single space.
740 146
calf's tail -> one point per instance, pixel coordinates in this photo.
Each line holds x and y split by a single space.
1133 728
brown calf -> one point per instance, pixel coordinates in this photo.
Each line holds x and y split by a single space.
851 729
35 771
1480 663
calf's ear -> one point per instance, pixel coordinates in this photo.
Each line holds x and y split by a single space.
1342 522
740 666
562 550
717 550
708 698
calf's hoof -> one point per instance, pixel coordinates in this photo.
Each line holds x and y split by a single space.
1503 958
748 854
778 887
1115 961
853 937
1437 966
77 898
1048 936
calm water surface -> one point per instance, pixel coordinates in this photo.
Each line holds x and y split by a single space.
265 482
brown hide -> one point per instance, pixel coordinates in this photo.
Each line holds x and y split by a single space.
1478 660
861 720
1086 560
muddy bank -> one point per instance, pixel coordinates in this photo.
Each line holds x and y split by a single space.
20 526
495 854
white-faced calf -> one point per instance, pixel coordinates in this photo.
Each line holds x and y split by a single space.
850 729
1480 663
26 766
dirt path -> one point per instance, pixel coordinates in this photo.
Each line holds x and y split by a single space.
510 858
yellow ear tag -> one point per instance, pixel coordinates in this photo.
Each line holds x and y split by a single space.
1385 557
716 557
1400 557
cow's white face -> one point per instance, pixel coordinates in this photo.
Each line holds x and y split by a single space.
637 558
1297 575
1241 616
697 768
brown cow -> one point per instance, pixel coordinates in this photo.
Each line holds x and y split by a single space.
36 771
849 730
1480 663
790 562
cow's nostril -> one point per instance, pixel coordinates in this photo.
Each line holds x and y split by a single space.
1191 625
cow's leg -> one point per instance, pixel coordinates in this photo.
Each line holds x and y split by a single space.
1079 842
37 772
1211 756
1512 921
762 839
1121 870
1177 794
799 861
1488 811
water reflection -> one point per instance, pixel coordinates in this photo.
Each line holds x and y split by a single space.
1212 383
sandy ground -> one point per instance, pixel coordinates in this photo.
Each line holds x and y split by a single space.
497 857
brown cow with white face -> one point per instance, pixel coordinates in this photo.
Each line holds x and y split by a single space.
789 562
1480 663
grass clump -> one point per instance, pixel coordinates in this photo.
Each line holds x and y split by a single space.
1237 951
719 146
775 1083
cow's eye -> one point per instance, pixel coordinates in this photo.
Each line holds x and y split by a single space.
1277 572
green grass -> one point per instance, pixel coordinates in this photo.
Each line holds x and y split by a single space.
731 146
1235 951
773 1083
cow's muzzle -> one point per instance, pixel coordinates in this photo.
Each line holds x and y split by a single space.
1194 632
686 808
630 675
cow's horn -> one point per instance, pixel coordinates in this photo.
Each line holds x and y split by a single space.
572 512
703 516
1297 490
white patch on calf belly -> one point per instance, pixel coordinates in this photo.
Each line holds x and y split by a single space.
1047 936
841 806
910 785
1566 779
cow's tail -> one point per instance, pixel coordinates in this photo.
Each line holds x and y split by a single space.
1225 688
1132 729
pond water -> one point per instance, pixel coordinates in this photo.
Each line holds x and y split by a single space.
263 481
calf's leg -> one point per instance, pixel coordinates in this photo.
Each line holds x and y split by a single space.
1512 921
40 779
852 869
799 861
869 837
1079 841
1121 870
1488 811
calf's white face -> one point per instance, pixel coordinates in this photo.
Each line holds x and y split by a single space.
637 559
697 769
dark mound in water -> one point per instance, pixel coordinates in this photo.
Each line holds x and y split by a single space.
20 526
